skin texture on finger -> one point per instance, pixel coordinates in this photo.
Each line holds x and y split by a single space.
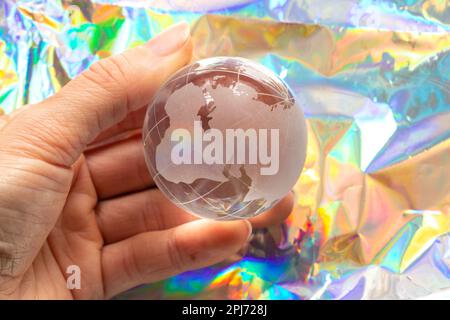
149 210
119 168
32 195
193 245
74 240
58 129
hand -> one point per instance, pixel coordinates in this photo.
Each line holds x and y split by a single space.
64 202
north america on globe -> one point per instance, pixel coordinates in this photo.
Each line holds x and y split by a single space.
224 139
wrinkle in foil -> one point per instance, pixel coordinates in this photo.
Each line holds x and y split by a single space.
371 218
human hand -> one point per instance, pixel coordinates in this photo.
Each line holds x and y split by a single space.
65 202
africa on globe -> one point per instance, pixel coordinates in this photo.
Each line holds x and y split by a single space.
224 138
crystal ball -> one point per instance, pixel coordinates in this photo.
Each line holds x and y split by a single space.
224 138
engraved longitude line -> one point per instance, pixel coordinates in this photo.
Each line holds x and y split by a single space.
440 84
188 73
168 190
246 118
287 131
276 103
284 99
162 170
235 213
199 195
227 71
262 208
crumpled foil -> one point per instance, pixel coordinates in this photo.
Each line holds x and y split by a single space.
372 212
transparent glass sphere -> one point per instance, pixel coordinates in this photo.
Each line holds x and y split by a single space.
224 138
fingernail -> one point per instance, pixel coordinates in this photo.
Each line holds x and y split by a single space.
170 40
250 230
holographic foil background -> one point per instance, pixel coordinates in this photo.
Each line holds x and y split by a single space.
372 213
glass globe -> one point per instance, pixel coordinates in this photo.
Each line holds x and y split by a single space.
224 138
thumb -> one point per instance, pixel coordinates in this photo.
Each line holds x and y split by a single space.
58 129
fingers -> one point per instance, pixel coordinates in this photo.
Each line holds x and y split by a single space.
119 168
58 129
131 124
276 214
154 256
149 210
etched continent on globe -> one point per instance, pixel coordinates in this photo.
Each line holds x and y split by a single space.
224 138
